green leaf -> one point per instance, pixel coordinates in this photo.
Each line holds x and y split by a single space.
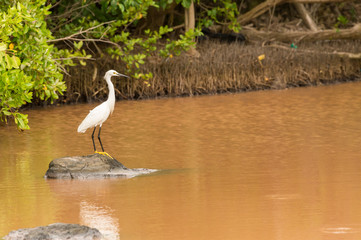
3 46
8 61
121 7
186 3
47 93
15 61
7 113
21 123
78 45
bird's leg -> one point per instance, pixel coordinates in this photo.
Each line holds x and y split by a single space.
100 128
95 150
103 153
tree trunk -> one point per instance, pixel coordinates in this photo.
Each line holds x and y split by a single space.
190 23
190 17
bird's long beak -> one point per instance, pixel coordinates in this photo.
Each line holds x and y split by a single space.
122 75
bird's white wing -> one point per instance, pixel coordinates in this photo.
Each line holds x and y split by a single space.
96 117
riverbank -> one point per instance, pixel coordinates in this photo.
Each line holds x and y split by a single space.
222 68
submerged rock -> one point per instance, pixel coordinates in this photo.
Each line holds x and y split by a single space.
91 166
56 231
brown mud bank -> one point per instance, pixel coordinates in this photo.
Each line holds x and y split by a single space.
223 68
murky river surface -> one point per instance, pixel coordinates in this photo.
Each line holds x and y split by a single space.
263 165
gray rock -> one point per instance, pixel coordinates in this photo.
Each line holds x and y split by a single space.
91 166
56 231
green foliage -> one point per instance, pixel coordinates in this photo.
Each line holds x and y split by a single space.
27 65
211 12
135 50
112 21
163 4
341 20
185 3
15 88
222 12
67 56
118 14
184 43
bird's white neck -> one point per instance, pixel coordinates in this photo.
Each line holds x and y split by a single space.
111 96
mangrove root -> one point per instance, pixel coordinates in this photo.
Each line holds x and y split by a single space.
306 17
335 53
267 5
297 36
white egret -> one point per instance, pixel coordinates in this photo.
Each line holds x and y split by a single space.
100 114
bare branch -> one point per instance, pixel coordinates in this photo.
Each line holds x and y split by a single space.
56 4
71 37
93 40
71 58
73 9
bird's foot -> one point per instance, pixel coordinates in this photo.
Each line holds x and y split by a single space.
104 153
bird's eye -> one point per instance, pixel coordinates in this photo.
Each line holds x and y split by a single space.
114 73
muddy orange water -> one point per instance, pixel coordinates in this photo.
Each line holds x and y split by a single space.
263 165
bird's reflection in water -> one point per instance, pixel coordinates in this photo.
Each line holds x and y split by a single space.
100 218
